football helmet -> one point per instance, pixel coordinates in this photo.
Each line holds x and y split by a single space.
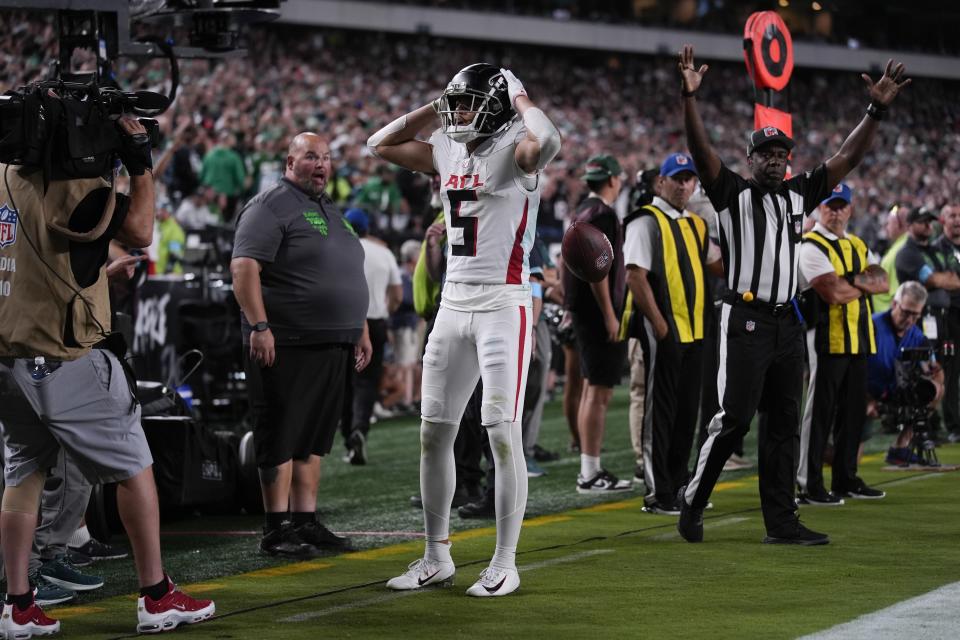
480 90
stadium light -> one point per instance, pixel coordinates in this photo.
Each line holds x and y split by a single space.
784 3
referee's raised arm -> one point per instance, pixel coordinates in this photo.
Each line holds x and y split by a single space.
704 157
860 139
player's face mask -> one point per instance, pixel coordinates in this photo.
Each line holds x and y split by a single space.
464 113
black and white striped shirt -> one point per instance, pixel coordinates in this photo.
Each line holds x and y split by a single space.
760 231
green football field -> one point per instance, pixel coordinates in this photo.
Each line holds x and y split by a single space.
590 567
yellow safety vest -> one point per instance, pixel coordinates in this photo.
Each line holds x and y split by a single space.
847 329
679 284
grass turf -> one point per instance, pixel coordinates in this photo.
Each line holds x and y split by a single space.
589 565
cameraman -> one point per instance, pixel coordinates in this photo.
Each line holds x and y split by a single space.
896 330
62 384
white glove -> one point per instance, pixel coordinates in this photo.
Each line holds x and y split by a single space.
514 86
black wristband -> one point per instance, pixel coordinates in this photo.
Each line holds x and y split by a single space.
851 279
876 111
685 93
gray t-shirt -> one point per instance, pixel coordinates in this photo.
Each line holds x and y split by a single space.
313 285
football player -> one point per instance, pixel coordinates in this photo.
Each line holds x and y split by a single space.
489 151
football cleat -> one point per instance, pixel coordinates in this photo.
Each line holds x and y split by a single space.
495 581
423 573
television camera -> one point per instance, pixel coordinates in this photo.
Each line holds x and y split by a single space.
909 405
66 124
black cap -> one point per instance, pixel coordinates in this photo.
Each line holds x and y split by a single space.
920 215
766 135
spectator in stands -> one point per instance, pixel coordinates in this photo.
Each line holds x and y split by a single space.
380 196
298 277
170 240
408 330
199 210
223 169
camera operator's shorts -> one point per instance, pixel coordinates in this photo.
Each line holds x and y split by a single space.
85 406
297 403
601 362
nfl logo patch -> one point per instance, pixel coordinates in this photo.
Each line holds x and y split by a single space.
681 159
797 227
769 131
751 325
8 226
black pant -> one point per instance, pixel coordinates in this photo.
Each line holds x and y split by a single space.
366 384
670 413
951 370
837 402
709 403
761 367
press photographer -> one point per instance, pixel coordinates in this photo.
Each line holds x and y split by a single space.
904 380
62 380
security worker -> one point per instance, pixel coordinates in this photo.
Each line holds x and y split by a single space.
842 274
666 252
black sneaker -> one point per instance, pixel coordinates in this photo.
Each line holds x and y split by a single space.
542 455
796 533
482 508
861 491
317 535
825 499
690 523
285 542
660 508
356 449
96 550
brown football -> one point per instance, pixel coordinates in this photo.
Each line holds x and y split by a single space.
587 252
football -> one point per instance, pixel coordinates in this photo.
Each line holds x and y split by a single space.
587 252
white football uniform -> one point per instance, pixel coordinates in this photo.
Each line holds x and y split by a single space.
484 324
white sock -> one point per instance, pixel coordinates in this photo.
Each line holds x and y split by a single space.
510 492
79 538
589 466
438 480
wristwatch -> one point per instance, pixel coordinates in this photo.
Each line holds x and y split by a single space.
260 326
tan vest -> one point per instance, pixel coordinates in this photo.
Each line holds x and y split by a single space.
41 306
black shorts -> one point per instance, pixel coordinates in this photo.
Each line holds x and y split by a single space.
296 403
601 362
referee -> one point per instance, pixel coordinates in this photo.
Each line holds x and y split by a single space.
761 331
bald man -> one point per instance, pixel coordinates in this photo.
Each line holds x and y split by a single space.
298 276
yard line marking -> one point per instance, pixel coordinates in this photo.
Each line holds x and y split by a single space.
706 525
542 520
389 597
74 612
931 615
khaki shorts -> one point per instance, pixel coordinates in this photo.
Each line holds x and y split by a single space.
84 406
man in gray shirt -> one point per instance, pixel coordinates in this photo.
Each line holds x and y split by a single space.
298 276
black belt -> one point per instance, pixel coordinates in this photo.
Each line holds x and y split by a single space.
775 310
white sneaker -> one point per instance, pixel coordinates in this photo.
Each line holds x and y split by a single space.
422 573
495 581
603 482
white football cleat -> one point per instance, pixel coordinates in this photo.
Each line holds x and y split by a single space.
495 581
423 573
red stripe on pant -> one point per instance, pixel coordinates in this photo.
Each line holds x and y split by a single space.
523 338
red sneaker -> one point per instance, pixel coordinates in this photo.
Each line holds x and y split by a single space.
20 625
170 611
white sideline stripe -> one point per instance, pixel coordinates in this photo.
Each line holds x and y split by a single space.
706 525
932 616
925 476
388 597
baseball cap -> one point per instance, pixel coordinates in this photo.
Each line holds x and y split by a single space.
601 167
358 219
766 135
840 192
920 215
677 163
